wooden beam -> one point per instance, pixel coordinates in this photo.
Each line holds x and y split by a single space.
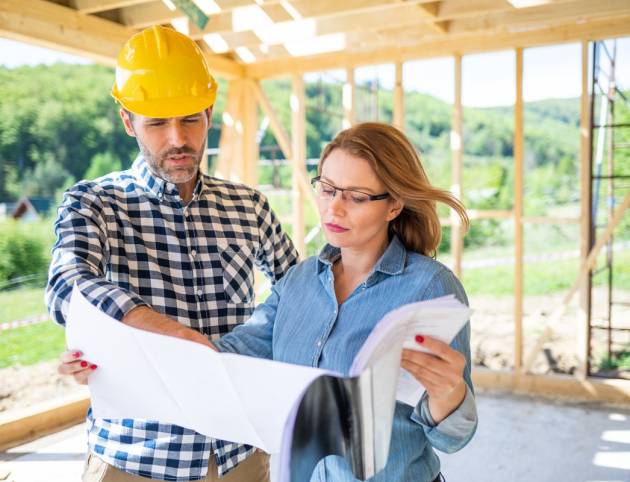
468 43
298 135
555 387
587 265
518 213
457 156
542 16
230 142
583 328
61 28
348 99
56 27
283 140
94 6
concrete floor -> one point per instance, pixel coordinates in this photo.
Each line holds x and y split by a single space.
518 440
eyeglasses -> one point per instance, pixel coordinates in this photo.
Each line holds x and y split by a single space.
325 190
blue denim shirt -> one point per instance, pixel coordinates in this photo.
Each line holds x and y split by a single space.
302 323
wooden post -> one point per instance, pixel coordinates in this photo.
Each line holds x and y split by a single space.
228 142
518 214
348 100
283 140
250 147
583 328
298 146
457 150
399 98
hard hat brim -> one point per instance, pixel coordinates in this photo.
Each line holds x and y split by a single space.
167 108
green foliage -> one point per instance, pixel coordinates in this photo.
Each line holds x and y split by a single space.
101 164
31 344
24 249
618 361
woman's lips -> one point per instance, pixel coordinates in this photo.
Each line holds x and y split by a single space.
335 228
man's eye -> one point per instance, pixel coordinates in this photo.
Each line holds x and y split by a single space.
191 121
327 190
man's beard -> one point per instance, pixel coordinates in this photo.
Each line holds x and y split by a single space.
173 174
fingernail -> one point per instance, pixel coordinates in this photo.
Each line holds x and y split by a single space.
93 367
420 338
84 363
76 354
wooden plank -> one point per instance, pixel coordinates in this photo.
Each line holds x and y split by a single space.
94 6
349 96
583 328
298 136
20 426
229 142
555 387
61 28
457 156
249 119
468 43
518 214
542 16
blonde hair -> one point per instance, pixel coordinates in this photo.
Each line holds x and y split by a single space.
398 166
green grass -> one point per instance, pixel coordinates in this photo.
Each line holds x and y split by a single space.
540 278
21 304
31 344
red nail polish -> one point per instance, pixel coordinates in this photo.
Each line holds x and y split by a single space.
84 363
420 338
76 354
93 367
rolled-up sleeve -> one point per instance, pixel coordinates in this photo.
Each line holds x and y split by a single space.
79 257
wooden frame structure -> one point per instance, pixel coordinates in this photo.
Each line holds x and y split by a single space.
246 41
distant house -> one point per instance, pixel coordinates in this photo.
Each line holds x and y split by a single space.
31 208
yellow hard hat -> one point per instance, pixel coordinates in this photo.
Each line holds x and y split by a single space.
163 73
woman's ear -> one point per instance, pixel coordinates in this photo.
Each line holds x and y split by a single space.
395 208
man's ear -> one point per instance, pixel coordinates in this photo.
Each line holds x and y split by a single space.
127 122
209 116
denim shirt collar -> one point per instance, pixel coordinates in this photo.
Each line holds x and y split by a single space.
391 263
156 185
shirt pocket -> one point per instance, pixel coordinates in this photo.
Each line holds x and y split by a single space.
238 272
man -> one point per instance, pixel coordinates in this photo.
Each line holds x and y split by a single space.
161 246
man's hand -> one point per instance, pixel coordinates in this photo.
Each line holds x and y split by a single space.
72 364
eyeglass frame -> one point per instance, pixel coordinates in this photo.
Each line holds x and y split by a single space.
370 197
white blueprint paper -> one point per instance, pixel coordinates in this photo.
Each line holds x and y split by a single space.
149 376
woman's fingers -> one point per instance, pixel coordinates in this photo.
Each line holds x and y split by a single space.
72 365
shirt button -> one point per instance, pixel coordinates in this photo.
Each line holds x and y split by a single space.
319 343
193 252
200 293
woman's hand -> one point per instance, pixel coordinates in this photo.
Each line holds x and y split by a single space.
441 372
72 364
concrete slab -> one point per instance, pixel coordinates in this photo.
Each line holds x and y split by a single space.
518 440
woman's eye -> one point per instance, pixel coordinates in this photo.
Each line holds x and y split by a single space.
359 199
327 190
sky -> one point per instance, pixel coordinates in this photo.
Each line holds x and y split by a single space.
488 79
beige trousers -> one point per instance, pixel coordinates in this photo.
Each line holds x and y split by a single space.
254 469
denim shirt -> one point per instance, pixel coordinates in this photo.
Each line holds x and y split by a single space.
302 323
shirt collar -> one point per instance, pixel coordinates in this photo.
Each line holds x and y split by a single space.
157 185
392 262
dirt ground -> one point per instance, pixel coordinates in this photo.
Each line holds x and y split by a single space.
492 346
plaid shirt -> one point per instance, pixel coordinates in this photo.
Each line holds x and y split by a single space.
127 240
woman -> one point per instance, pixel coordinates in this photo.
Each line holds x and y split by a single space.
378 211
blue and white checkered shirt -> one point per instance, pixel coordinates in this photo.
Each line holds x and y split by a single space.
127 239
